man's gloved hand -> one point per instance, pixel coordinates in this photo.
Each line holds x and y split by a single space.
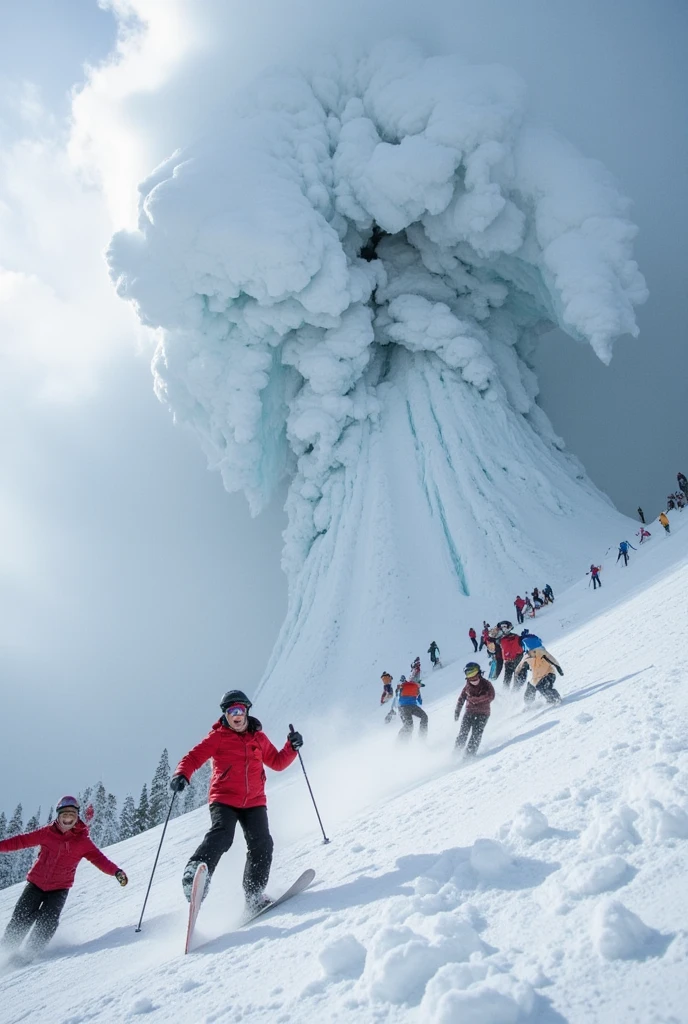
295 740
559 670
121 877
178 783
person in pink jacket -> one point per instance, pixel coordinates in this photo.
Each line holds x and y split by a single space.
62 845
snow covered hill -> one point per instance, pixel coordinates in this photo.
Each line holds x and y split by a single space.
543 882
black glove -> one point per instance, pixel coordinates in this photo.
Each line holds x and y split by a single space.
559 670
121 877
457 714
178 783
295 740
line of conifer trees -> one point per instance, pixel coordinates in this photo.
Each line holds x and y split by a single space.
110 824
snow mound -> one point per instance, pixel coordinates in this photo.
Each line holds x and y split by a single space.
619 934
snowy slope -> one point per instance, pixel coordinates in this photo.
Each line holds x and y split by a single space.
544 882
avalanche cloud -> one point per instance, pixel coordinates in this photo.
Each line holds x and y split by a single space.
350 277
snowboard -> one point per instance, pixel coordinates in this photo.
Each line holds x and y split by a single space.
301 883
197 891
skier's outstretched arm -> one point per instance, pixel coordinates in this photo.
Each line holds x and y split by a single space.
276 759
99 860
24 840
196 757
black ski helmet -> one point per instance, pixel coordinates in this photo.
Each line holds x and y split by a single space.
506 625
234 697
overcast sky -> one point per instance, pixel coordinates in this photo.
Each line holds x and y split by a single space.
133 590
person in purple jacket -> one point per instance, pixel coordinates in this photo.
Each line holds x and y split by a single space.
477 695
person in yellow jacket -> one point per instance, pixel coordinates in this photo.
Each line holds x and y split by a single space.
542 665
664 520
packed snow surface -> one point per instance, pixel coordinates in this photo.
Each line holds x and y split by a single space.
349 279
544 881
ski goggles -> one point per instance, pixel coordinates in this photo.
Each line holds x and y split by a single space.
471 673
236 710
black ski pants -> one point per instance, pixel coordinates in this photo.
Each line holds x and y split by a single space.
624 555
519 615
475 725
259 844
39 908
597 582
475 644
546 688
510 667
407 713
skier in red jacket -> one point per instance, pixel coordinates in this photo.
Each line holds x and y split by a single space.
62 845
512 652
239 749
473 638
477 695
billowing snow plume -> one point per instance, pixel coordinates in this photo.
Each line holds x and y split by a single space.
350 277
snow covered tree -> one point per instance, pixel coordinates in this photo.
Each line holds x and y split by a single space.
11 863
142 811
51 815
127 819
97 826
110 827
196 793
3 825
368 252
159 791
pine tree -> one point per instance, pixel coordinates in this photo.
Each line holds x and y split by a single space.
110 831
142 811
10 863
3 826
127 819
157 810
25 858
51 815
97 826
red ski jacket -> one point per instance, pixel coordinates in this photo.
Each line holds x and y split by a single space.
511 646
477 698
59 855
238 777
520 603
472 633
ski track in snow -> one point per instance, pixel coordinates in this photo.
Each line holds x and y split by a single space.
543 882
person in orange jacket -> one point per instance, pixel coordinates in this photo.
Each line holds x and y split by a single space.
387 691
664 520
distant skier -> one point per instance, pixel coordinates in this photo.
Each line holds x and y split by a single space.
519 604
239 749
434 652
474 638
512 652
485 635
623 551
541 664
643 534
664 520
410 702
495 652
641 514
477 694
387 691
415 671
528 608
62 844
549 593
395 700
683 484
595 576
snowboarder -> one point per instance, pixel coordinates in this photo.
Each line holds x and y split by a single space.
664 520
410 701
541 662
239 749
595 576
643 534
537 600
623 551
549 593
62 844
434 652
512 652
474 638
683 484
395 700
519 604
641 515
477 695
415 671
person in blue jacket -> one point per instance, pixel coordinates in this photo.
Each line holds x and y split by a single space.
623 550
409 703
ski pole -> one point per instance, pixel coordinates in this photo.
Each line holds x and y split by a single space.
155 863
325 839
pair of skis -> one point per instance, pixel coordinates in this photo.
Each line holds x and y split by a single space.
198 889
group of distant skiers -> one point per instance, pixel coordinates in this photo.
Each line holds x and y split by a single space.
530 604
239 750
514 654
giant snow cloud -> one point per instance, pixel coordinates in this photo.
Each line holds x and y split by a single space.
388 203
